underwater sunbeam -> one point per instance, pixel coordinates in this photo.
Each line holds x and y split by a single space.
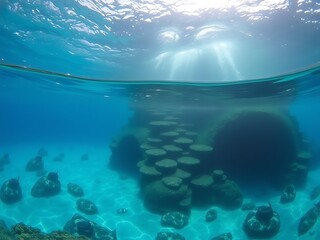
228 68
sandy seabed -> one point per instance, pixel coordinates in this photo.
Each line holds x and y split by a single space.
109 192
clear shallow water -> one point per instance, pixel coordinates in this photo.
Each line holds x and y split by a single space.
74 116
75 75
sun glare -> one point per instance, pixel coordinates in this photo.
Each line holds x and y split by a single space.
212 46
190 6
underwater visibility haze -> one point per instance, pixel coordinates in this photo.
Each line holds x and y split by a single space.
159 120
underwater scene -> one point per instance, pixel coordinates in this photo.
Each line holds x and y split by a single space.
159 120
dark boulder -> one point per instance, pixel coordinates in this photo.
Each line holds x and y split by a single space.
11 191
35 164
211 215
174 219
263 223
46 186
86 206
79 225
288 194
75 190
309 219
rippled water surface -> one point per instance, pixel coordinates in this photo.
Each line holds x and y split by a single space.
84 84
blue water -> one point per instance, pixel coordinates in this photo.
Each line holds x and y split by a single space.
73 74
45 112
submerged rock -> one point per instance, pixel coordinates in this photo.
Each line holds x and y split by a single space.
5 234
201 151
75 190
61 235
23 232
169 236
188 163
86 206
149 172
174 219
183 142
227 195
81 226
166 166
160 198
288 194
11 191
263 223
201 189
47 186
309 219
211 215
202 182
35 164
172 151
219 176
155 154
224 236
173 183
155 142
184 175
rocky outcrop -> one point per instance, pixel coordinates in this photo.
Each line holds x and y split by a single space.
79 225
166 195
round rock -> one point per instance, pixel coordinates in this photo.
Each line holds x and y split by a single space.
174 219
173 151
86 206
261 229
155 142
203 181
219 176
169 135
184 175
155 154
211 215
162 123
200 148
183 142
166 166
172 182
188 163
35 164
75 190
148 171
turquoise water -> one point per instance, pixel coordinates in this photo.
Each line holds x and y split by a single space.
76 77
